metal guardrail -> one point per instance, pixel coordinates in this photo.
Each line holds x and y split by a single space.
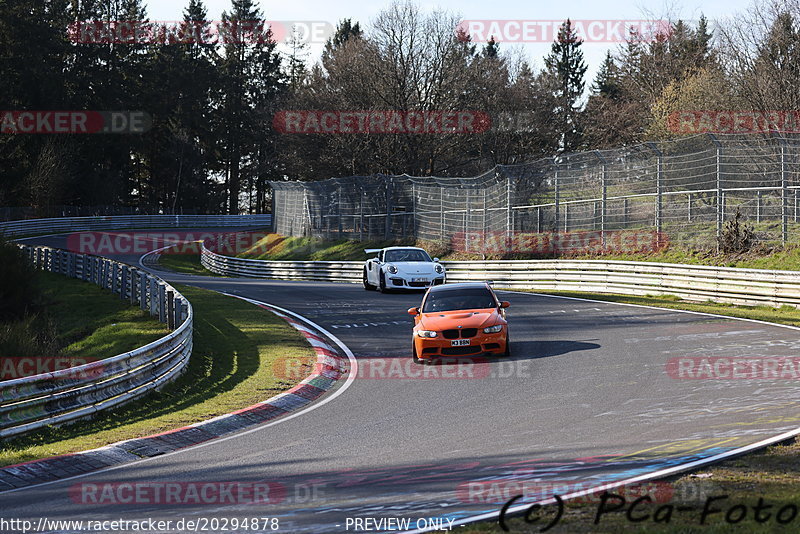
29 403
127 222
692 282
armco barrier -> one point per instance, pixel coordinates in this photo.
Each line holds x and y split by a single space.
128 222
32 402
692 282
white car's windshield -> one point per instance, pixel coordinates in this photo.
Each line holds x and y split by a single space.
406 255
459 299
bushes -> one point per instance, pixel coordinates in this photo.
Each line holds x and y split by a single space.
736 236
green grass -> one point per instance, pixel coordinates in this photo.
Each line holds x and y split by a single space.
184 263
92 322
69 318
277 247
235 345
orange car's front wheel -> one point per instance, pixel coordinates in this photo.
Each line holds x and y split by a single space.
414 354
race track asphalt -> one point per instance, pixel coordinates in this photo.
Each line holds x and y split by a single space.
584 399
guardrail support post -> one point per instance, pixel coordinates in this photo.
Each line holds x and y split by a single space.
162 304
123 286
133 285
114 286
170 310
178 312
153 297
143 290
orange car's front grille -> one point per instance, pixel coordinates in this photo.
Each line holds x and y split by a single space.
463 333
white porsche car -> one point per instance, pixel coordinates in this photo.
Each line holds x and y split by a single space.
401 268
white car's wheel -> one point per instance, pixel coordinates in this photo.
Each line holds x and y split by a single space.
382 283
367 285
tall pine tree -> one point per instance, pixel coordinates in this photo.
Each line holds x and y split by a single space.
566 63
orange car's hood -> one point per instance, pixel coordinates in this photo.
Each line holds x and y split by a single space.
463 318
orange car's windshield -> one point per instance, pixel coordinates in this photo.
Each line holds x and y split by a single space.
459 299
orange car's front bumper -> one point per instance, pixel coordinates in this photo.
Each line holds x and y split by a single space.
435 347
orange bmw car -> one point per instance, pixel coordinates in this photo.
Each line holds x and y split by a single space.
459 320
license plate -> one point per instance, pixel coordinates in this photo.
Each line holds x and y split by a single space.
420 279
459 342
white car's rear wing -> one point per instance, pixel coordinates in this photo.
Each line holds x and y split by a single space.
372 250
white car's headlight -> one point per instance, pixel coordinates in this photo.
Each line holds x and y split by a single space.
426 333
439 269
392 269
493 329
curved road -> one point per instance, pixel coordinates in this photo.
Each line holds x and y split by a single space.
584 399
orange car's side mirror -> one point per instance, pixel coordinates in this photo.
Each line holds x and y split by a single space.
413 311
505 304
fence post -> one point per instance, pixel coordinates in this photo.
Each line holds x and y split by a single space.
566 218
509 215
659 189
414 210
466 223
441 213
603 198
758 206
339 209
720 214
538 219
361 216
485 228
556 195
689 208
389 207
784 191
624 212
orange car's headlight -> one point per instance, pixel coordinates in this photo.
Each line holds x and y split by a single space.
426 333
493 329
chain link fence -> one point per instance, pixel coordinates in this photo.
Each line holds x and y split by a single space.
680 191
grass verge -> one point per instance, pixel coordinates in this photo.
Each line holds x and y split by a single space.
235 345
92 323
184 263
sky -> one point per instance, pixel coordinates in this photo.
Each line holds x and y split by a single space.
325 14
